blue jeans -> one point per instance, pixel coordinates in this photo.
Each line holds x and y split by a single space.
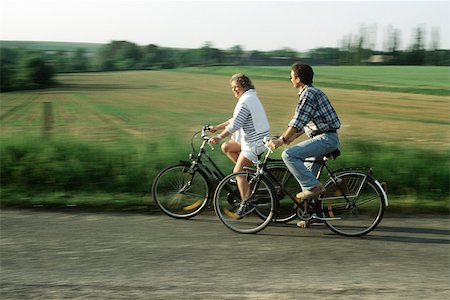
306 173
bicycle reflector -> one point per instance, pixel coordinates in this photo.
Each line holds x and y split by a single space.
193 205
384 185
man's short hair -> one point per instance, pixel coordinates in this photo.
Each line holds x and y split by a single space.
304 72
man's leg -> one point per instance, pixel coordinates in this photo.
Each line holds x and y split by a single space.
293 157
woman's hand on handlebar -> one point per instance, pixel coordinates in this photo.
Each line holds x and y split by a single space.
215 140
212 128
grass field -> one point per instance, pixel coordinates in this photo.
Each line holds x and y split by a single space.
407 79
144 105
151 115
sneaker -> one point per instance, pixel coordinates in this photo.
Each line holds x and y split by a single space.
245 208
232 181
307 224
317 190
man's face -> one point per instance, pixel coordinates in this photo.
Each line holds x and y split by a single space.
295 80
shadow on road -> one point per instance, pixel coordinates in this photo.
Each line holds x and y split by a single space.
415 235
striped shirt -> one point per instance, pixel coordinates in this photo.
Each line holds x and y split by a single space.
314 112
249 115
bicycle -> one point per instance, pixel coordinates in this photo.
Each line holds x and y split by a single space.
185 189
352 205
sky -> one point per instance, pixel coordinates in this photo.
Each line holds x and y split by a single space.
254 25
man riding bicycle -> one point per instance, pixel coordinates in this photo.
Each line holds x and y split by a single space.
316 117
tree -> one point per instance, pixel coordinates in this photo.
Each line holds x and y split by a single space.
62 61
210 55
8 68
417 54
105 58
119 55
393 43
235 54
151 56
80 62
328 56
38 73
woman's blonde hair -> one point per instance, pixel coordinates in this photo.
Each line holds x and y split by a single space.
243 81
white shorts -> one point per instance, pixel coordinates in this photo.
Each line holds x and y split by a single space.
251 151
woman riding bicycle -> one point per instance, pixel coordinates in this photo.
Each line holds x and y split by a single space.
250 120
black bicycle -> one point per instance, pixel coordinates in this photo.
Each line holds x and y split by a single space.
186 188
352 205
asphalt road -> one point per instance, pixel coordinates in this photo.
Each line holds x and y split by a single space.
80 255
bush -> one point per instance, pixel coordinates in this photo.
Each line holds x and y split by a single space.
70 165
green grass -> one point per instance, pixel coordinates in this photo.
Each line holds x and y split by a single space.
114 131
408 79
67 168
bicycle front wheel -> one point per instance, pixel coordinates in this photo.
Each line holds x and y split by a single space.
287 208
353 205
181 192
262 200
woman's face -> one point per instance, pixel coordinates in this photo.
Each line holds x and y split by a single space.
237 89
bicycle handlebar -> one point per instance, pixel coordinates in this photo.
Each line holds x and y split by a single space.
266 140
204 129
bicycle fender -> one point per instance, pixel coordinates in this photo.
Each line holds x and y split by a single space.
377 183
386 202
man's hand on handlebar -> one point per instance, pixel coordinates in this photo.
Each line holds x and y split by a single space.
275 143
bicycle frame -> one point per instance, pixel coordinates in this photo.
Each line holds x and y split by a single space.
352 203
263 170
196 161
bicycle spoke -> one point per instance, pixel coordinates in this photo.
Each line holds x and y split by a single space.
286 208
180 194
226 204
357 214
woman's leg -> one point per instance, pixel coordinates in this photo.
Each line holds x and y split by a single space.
244 187
231 149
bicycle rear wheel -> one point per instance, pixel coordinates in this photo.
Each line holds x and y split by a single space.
181 192
227 200
362 208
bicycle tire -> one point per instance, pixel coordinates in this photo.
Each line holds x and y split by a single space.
361 213
227 200
286 208
181 192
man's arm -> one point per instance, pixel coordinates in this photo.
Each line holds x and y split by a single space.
290 134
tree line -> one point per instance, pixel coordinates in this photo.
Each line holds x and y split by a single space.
27 69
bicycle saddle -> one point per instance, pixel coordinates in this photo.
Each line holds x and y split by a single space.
333 154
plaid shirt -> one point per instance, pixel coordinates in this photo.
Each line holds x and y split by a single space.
314 112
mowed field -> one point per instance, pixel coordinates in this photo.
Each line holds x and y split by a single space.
146 106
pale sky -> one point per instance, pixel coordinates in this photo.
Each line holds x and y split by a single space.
255 25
